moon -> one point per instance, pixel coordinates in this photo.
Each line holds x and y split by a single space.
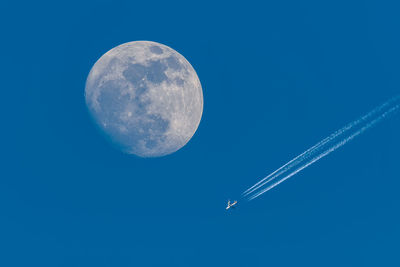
145 97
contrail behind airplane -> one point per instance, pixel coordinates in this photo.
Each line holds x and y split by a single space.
309 152
263 186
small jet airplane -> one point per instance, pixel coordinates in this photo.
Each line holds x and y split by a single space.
231 205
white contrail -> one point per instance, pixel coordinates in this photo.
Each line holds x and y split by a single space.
307 154
325 153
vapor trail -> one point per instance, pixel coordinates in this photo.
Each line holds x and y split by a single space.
319 146
309 152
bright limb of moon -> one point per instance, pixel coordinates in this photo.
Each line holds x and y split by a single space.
145 97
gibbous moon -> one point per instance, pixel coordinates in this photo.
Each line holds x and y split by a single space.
145 97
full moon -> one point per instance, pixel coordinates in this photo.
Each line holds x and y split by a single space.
145 97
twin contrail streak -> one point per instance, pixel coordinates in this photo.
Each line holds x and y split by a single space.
321 149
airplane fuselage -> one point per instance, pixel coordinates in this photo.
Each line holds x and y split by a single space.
231 205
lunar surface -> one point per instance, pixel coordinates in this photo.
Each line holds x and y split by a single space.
145 97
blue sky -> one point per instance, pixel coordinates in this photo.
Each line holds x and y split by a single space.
277 77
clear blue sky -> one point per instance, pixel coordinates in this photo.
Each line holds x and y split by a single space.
277 77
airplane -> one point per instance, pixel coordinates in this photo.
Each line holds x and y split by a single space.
231 205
